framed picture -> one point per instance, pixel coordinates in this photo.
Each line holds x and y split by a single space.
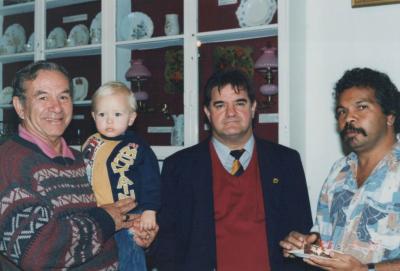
364 3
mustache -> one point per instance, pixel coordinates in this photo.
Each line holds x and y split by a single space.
349 127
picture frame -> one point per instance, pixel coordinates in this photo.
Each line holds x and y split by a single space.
366 3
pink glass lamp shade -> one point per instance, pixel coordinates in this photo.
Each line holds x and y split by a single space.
268 60
137 71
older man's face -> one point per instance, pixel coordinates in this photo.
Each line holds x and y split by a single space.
47 110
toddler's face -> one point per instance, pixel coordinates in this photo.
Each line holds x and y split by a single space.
113 115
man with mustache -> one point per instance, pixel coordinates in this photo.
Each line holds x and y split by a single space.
219 214
358 211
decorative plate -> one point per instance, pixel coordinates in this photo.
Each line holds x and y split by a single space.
79 35
6 95
57 38
7 46
136 25
80 88
255 12
95 29
16 33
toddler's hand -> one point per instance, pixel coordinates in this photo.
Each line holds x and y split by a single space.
148 220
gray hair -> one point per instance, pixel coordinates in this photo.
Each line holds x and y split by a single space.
30 72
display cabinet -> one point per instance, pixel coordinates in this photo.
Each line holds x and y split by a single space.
176 42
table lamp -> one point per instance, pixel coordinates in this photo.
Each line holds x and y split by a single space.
267 64
137 73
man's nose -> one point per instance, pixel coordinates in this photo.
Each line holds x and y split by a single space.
56 105
230 110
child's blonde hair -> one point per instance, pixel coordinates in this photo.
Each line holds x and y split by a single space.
114 87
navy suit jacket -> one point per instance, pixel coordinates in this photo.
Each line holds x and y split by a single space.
186 240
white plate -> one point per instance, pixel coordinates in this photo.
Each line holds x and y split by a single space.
6 95
95 29
136 25
255 12
16 33
79 35
7 46
57 38
80 88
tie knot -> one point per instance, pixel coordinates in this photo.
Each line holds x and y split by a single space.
237 153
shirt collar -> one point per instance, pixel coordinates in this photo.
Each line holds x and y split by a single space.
43 146
226 159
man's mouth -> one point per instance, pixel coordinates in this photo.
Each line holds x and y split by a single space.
349 131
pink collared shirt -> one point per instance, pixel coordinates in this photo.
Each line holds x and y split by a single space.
44 147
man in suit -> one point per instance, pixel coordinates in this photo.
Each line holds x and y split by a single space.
226 213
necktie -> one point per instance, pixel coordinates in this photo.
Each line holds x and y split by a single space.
237 168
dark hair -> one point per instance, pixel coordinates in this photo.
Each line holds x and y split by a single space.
386 93
235 77
30 72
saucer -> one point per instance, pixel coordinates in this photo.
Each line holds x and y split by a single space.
95 29
136 25
57 38
255 12
79 35
16 34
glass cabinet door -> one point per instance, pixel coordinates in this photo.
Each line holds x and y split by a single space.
150 60
233 34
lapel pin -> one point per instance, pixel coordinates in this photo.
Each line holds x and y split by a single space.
275 180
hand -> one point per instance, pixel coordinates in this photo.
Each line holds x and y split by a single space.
337 262
144 238
118 211
296 240
148 220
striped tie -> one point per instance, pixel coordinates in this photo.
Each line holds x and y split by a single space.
237 168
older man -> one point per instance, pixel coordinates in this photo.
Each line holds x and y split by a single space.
48 214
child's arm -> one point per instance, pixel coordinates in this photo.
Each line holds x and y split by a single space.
148 220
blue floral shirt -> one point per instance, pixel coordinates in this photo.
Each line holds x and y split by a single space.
362 221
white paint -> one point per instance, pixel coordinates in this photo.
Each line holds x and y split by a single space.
159 129
75 18
268 118
226 2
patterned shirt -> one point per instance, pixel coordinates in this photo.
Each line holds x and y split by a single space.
362 221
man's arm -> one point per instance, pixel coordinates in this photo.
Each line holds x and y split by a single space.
164 249
36 238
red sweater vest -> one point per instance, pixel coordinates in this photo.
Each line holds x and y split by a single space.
239 218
